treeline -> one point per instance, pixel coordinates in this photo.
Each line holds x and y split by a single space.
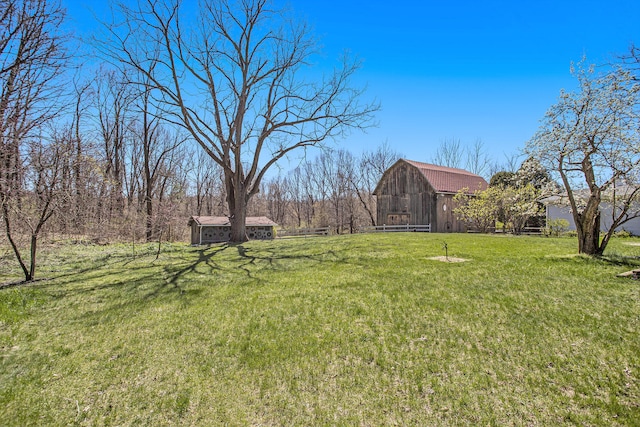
93 157
112 170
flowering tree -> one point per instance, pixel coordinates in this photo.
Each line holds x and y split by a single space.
590 139
484 207
480 209
519 204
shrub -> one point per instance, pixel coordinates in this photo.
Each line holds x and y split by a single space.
622 233
556 227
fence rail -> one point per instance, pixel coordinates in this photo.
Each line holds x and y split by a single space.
318 231
533 230
391 228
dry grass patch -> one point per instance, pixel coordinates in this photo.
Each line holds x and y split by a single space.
447 259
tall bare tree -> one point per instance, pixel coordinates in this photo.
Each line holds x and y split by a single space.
158 146
206 183
275 192
113 100
371 167
449 153
295 185
32 60
478 161
236 79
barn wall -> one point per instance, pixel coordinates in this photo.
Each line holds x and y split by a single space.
405 197
447 221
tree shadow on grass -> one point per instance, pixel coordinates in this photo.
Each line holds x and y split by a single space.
607 260
271 259
620 260
120 286
206 258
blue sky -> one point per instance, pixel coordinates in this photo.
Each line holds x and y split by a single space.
461 69
469 69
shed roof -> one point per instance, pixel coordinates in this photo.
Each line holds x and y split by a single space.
445 179
251 221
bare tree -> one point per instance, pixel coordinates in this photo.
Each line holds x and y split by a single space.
371 167
590 140
207 179
235 80
78 163
43 178
32 60
478 161
276 199
295 186
113 101
449 153
158 146
454 154
339 167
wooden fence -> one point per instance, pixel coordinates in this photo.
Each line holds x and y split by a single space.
391 228
318 231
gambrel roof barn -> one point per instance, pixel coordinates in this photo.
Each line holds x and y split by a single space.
411 192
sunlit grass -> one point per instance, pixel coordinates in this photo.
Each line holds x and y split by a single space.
345 330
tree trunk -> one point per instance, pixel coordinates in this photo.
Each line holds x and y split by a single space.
34 249
589 235
238 221
149 216
237 200
5 211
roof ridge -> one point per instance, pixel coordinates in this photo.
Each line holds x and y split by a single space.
439 168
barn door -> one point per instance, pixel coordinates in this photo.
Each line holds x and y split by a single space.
398 219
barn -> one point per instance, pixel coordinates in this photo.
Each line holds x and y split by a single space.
216 229
416 193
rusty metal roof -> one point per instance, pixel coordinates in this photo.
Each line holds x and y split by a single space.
252 221
449 180
445 179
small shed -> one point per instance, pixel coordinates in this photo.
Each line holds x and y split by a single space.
417 193
216 229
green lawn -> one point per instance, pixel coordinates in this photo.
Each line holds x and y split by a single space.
344 330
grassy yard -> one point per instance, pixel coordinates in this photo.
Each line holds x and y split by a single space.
345 330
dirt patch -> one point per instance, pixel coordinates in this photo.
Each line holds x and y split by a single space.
447 259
